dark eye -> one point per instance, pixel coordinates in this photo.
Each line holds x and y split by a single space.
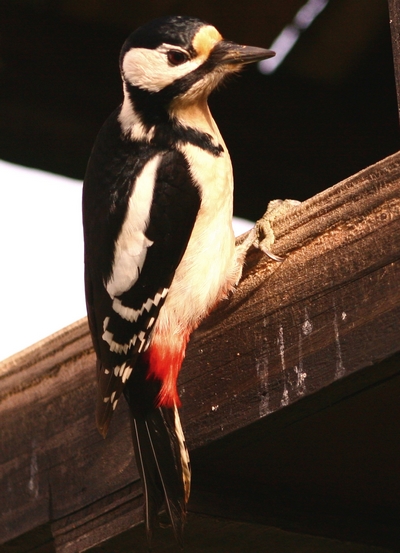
176 57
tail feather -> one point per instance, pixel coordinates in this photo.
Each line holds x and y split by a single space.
165 472
153 498
169 477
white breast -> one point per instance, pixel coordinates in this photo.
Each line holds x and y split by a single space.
207 267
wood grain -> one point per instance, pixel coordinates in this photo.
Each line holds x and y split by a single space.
290 330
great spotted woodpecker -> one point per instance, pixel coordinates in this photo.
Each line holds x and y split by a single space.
159 246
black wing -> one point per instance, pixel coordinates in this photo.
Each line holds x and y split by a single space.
121 326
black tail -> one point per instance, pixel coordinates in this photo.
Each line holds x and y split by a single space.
163 466
162 457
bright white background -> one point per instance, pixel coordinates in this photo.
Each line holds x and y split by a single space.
41 248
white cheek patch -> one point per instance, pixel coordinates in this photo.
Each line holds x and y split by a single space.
131 122
131 246
150 70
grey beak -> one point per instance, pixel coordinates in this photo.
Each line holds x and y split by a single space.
226 52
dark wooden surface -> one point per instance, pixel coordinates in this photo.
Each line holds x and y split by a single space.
394 20
291 418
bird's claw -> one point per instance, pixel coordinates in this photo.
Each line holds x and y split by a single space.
264 234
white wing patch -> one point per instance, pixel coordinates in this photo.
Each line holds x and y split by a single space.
115 346
123 371
131 246
130 315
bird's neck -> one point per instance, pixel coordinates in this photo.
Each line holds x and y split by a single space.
195 115
165 126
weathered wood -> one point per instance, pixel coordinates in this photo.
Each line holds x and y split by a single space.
332 308
326 465
301 328
394 15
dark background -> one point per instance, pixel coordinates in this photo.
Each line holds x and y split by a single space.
328 111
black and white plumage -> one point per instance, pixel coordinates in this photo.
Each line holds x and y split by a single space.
159 245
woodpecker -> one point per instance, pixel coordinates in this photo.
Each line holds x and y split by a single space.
159 246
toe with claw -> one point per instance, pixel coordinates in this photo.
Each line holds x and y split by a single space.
264 234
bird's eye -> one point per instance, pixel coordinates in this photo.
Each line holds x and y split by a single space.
176 57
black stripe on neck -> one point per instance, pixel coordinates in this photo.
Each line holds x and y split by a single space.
152 108
176 132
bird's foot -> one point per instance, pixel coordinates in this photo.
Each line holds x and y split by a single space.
263 234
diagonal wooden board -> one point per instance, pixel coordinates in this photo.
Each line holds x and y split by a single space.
291 330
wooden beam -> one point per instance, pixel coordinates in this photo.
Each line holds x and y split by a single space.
291 330
394 19
296 327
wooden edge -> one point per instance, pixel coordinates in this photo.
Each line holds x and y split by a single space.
345 201
43 349
394 20
43 359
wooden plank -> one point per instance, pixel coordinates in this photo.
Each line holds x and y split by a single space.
290 330
53 460
329 309
394 19
326 465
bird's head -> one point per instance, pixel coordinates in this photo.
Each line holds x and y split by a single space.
178 59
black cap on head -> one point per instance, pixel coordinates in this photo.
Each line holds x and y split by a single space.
178 30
